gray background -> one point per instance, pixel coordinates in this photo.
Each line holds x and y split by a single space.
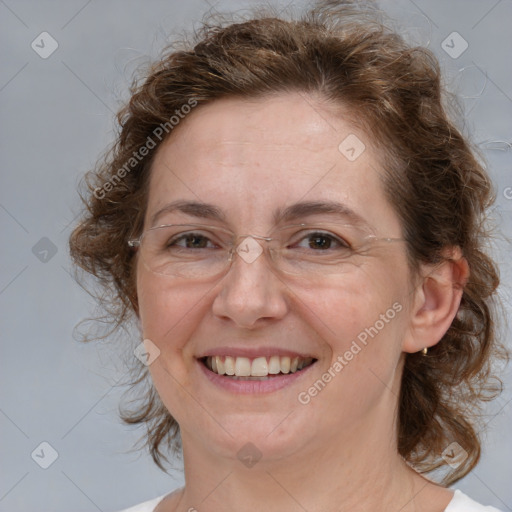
57 116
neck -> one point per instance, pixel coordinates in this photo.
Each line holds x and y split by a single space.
342 474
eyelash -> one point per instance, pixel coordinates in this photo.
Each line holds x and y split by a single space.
183 237
340 242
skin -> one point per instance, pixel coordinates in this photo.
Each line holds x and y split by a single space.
338 452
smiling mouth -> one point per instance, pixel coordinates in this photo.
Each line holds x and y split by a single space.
259 368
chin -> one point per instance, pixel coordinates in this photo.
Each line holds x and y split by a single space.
268 437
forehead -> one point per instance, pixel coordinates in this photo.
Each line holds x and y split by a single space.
252 156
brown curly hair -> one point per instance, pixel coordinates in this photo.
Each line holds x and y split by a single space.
438 188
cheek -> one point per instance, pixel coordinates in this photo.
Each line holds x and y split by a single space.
361 330
359 316
169 312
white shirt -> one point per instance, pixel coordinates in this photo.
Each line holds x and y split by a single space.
460 503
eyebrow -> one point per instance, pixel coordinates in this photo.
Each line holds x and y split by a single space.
192 208
305 209
291 213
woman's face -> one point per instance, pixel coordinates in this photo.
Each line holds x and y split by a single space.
242 165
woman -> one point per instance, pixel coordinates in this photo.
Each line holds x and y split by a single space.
297 227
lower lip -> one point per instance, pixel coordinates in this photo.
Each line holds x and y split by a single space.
248 387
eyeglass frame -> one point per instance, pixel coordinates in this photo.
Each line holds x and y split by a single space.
136 243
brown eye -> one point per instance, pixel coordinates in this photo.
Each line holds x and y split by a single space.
191 241
319 241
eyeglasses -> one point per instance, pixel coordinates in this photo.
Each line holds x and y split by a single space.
195 251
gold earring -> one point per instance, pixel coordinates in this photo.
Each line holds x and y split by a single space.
424 351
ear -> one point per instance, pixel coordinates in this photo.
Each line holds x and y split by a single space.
436 300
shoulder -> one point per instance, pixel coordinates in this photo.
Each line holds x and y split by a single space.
462 503
147 506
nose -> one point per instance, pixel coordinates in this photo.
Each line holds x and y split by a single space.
251 292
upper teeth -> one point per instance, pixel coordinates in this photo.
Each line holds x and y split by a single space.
258 367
